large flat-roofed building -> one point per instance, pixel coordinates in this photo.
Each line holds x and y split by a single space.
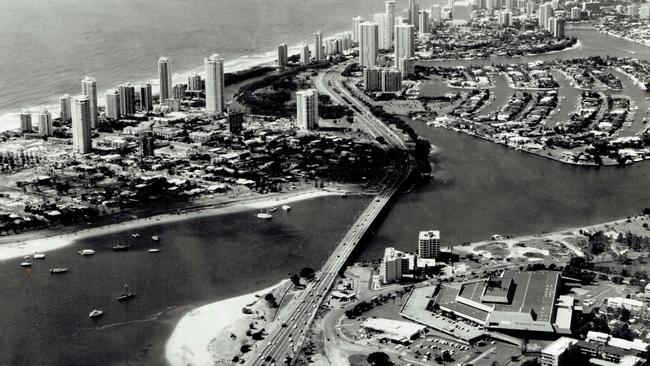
395 330
553 353
515 301
429 244
395 264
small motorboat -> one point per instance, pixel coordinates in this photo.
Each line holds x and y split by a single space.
58 270
264 215
286 207
96 313
26 264
39 255
273 209
126 295
121 247
87 252
135 235
155 238
154 250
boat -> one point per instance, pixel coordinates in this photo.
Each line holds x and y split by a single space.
264 215
344 195
126 295
96 313
121 247
155 238
154 250
58 270
286 207
135 235
26 264
39 256
273 209
87 252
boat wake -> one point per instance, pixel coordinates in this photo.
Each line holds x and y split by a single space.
154 317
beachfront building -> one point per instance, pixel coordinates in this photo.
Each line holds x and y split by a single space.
146 97
404 42
81 125
283 55
395 264
368 44
64 105
113 106
356 22
385 28
372 79
318 46
407 66
25 122
165 78
556 27
429 244
89 88
127 98
214 98
391 80
307 109
45 123
305 55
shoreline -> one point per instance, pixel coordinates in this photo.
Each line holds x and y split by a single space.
37 242
199 328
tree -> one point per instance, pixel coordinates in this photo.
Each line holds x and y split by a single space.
446 356
625 315
307 273
295 279
379 359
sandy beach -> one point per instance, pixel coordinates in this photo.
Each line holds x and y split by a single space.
192 339
37 242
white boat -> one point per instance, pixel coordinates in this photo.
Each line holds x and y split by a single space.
87 252
136 235
264 215
154 250
26 264
96 313
39 256
286 207
155 238
58 270
273 209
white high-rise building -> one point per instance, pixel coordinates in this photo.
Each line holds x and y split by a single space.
113 105
390 11
368 44
64 104
544 13
146 97
385 26
307 109
505 18
413 10
644 13
436 15
424 23
25 122
404 42
283 55
556 27
429 244
214 98
318 46
463 11
89 88
81 135
305 55
194 82
395 264
127 99
165 78
356 22
45 123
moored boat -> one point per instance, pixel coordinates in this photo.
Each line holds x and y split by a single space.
155 238
58 270
121 247
39 255
26 264
135 235
286 207
87 252
154 250
96 313
265 215
126 295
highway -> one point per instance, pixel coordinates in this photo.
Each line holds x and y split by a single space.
287 334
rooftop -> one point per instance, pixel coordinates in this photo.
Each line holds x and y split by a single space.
430 234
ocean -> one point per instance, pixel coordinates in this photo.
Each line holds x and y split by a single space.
47 47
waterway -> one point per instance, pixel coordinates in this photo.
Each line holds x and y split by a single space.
478 189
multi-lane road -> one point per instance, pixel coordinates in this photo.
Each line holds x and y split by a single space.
286 335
